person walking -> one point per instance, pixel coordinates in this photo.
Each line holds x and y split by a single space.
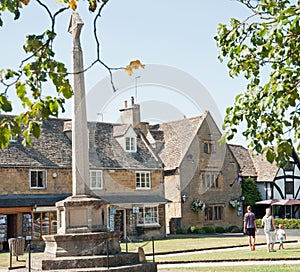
281 236
269 229
250 227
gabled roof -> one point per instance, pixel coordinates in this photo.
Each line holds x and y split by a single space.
266 171
54 149
244 160
176 137
120 130
108 153
253 165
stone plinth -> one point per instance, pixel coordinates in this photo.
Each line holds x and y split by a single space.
81 214
82 244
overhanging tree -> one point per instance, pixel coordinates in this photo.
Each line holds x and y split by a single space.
264 48
31 79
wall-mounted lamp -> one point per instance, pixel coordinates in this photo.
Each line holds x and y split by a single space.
34 207
54 175
184 198
242 197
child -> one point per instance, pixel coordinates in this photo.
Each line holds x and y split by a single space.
280 235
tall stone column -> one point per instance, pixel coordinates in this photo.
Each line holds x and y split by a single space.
80 158
80 213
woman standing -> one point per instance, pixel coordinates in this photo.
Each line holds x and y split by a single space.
270 230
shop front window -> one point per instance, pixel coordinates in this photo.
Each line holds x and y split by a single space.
148 216
44 223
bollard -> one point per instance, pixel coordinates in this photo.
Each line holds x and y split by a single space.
153 249
107 252
29 257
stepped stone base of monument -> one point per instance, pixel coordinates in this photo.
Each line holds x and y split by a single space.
123 262
98 251
82 244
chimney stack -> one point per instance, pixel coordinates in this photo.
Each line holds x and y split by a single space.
131 115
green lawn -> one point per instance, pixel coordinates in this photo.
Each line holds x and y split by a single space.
168 245
290 251
173 245
252 268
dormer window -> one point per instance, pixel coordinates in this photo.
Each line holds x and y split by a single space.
130 144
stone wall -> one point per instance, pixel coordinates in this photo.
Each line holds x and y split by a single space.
17 181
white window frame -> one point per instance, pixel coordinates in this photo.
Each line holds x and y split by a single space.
98 179
44 179
148 216
143 180
130 144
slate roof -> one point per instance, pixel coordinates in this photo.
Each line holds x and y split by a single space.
176 138
244 159
254 165
28 200
108 153
52 149
266 171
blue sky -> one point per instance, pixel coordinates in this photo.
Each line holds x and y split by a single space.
170 32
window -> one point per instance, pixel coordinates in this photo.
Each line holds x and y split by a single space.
143 180
148 216
96 179
209 147
44 223
289 187
213 213
218 212
37 179
130 144
210 180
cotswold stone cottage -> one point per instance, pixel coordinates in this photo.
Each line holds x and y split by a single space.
153 178
124 171
198 173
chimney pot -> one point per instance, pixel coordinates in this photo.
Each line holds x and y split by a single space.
125 104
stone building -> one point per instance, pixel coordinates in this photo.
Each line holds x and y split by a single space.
124 171
198 173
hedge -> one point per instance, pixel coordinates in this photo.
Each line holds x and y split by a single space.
287 223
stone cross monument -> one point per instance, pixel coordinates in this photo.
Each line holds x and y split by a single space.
80 159
81 242
81 217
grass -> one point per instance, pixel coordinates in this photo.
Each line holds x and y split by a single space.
173 245
246 268
290 252
170 245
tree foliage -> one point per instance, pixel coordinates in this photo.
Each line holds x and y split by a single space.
264 49
250 192
40 71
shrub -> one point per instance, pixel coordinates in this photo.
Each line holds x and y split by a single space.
209 229
181 231
192 229
231 228
200 231
287 223
219 230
